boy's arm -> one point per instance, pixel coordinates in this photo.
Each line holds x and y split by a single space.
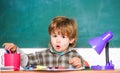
82 60
77 60
23 58
28 59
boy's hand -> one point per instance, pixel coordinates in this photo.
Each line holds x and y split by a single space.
10 46
75 61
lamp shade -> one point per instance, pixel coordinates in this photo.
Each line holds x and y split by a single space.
99 43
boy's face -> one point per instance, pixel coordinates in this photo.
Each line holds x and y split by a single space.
60 42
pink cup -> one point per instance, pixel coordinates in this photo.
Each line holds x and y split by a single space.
12 60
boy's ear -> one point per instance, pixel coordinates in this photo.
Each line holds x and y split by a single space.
72 40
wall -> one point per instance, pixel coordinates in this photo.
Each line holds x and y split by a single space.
88 54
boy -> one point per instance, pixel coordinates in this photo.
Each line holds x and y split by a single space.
61 52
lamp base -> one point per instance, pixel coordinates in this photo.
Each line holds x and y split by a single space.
98 67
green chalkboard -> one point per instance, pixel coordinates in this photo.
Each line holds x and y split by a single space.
25 22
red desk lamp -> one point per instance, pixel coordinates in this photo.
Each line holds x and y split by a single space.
98 44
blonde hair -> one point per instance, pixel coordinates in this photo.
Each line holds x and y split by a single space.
64 26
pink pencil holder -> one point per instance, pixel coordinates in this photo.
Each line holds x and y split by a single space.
12 60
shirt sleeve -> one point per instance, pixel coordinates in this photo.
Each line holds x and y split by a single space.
28 59
82 59
32 59
23 58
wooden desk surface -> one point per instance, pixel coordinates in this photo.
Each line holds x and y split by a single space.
81 71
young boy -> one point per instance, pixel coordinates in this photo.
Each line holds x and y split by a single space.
61 52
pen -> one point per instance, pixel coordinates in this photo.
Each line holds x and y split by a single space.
7 51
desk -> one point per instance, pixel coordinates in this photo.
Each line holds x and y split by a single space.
82 71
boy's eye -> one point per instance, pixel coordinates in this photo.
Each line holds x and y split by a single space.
63 36
54 35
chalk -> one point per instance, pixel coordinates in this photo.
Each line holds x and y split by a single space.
38 67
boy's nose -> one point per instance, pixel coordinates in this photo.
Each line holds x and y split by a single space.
58 40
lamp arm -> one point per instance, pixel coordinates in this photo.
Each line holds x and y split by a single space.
107 52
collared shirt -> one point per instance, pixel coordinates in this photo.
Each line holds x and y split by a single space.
51 58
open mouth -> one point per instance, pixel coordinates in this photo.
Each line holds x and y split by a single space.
58 46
